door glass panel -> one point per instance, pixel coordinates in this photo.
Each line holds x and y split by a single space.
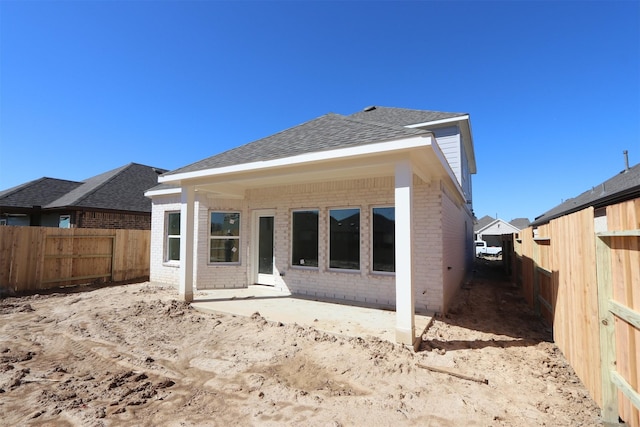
265 246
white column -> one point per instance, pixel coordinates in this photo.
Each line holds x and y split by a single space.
405 307
187 210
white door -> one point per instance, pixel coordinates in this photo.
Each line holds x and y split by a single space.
264 250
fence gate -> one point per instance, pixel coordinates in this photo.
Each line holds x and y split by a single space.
70 259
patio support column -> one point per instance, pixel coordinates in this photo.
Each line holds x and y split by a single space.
187 210
405 307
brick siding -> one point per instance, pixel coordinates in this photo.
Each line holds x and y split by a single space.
363 286
93 219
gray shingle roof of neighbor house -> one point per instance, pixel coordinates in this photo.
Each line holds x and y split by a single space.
118 189
327 132
483 222
520 223
39 192
621 187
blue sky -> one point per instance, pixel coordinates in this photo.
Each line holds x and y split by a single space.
553 88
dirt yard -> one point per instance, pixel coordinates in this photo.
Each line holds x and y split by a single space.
133 355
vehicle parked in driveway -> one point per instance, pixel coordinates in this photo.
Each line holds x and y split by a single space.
483 250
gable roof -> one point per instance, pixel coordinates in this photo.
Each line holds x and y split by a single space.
496 227
621 187
482 223
118 189
327 132
39 192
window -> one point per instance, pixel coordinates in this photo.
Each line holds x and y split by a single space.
224 245
3 221
344 238
173 236
65 221
304 238
384 239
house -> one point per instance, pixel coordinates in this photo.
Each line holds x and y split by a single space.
491 229
619 188
114 199
373 208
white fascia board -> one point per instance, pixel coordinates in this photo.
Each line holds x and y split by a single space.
163 192
318 156
440 122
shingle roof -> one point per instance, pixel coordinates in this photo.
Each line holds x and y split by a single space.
118 189
39 192
483 222
327 132
623 186
520 223
402 116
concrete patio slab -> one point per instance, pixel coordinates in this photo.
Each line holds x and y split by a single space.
276 306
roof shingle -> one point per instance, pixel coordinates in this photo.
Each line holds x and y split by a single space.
327 132
39 192
118 189
402 116
622 186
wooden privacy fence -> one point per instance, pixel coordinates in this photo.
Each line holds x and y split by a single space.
33 258
586 284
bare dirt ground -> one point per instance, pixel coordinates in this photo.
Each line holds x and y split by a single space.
133 355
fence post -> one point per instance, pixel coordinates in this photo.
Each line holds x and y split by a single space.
114 243
536 278
607 332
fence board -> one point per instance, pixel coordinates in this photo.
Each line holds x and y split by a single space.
625 274
576 328
33 258
566 248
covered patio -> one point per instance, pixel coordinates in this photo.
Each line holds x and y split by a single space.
331 317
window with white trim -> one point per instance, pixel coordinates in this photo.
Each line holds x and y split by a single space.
383 244
173 237
344 238
304 238
224 241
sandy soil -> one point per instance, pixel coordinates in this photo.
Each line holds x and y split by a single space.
133 355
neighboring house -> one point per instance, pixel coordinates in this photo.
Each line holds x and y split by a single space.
491 229
22 205
114 199
373 208
621 187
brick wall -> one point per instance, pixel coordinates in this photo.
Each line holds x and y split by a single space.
211 276
92 219
427 249
363 286
456 244
161 270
